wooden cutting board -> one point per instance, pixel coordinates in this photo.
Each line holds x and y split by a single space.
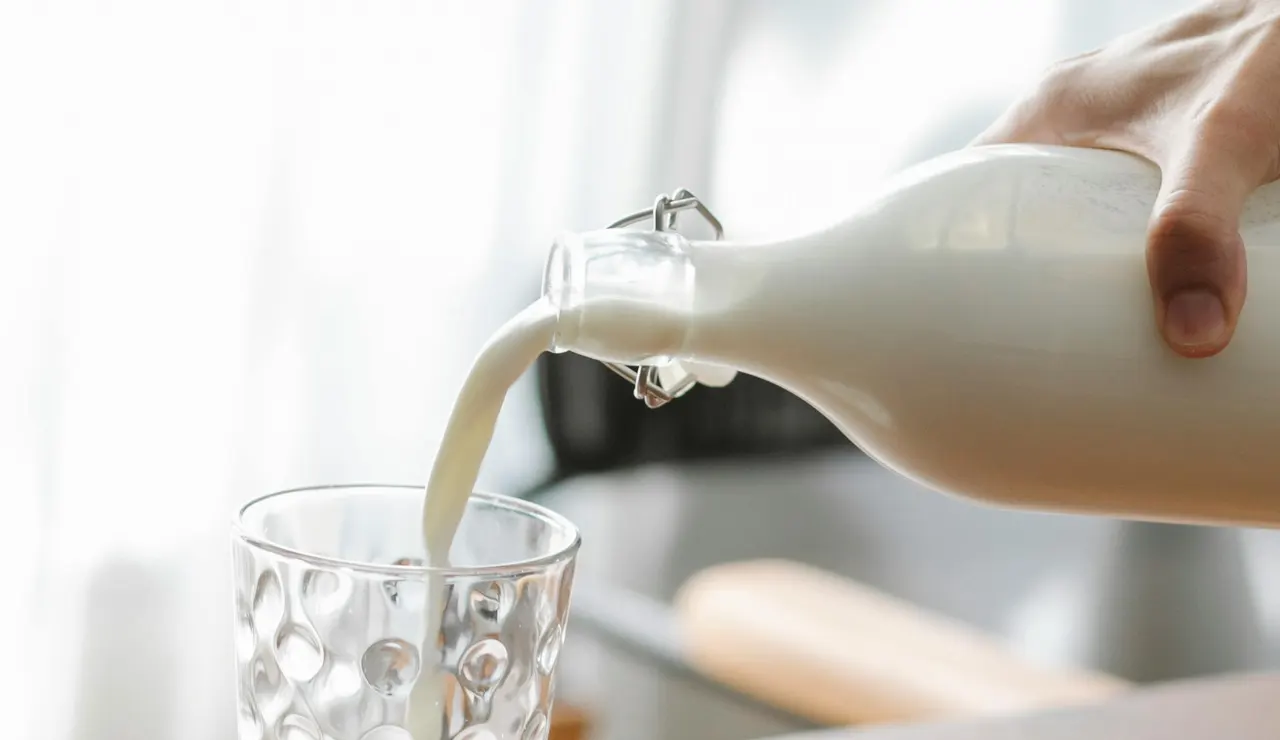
569 723
1243 707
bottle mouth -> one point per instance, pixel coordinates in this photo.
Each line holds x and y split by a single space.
559 277
611 289
617 263
563 282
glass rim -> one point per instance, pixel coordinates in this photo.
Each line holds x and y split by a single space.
502 569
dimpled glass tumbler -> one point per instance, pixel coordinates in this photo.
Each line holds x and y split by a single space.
343 634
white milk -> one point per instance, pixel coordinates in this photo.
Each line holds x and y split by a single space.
501 362
504 358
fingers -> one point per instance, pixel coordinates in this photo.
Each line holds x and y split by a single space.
1196 266
1225 148
1195 258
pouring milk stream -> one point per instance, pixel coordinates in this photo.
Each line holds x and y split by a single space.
982 326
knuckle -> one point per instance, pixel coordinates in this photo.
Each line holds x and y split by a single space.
1226 117
1246 134
1073 95
1188 233
1056 85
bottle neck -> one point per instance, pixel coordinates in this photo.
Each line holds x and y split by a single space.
646 298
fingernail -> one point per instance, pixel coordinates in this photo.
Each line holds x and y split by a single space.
1194 318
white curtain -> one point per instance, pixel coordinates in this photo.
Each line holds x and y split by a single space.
250 245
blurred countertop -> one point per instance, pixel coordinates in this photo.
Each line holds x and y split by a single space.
1237 707
1154 603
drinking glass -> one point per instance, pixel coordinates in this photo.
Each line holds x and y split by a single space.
342 632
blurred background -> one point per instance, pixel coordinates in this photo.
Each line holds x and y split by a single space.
247 246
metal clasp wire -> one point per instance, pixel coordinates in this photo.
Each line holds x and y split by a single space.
663 215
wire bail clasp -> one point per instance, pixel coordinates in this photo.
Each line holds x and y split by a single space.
663 216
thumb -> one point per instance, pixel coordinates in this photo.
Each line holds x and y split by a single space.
1195 258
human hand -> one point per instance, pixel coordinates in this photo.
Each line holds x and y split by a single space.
1198 95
